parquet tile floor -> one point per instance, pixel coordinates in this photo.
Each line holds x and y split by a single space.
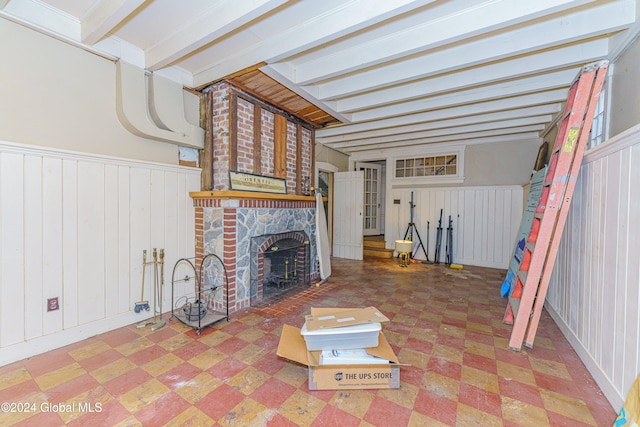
445 326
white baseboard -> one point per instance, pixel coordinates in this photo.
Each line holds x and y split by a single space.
54 341
608 389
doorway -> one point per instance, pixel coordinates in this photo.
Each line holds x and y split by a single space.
373 198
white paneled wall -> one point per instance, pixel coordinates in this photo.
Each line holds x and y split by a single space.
485 221
594 292
74 226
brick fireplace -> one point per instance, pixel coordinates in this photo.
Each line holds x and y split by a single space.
247 135
227 227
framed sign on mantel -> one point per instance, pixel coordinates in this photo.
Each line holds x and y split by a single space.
242 181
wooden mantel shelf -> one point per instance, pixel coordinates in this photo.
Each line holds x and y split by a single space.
247 195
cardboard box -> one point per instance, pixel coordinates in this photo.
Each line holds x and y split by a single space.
327 318
292 346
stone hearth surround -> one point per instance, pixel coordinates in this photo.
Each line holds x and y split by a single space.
225 227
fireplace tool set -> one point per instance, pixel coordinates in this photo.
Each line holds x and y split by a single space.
195 307
156 321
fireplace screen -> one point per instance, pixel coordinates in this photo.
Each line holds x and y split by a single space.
280 266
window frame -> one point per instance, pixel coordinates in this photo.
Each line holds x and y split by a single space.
458 177
599 119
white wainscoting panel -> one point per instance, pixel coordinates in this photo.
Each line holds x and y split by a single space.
73 226
594 291
485 221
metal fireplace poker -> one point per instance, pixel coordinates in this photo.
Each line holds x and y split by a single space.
156 321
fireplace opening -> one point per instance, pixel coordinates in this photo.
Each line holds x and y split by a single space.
279 267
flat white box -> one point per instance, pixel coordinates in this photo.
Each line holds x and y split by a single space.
352 356
342 338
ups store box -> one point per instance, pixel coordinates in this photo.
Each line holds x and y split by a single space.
292 346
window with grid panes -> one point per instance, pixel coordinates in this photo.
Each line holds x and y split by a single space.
597 134
428 166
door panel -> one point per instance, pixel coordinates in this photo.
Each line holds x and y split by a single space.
348 206
371 220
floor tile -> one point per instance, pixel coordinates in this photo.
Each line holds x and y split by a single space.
179 375
446 328
437 407
480 399
72 387
217 403
524 414
444 368
142 395
355 402
301 408
59 376
516 373
248 380
197 387
56 359
246 413
332 416
272 393
124 383
14 377
165 408
480 379
569 407
192 416
472 416
89 350
112 370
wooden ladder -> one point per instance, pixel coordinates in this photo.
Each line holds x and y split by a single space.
529 289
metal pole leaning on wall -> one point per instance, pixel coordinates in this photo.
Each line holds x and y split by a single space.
436 256
156 321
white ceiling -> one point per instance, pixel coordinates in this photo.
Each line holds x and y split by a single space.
396 73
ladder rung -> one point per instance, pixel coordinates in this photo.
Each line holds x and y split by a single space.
515 305
538 215
547 183
508 317
522 275
531 246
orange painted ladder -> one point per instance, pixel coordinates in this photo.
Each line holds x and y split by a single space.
529 289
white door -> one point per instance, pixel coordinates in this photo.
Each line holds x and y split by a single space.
347 213
371 220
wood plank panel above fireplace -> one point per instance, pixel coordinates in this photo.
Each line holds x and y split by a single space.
249 135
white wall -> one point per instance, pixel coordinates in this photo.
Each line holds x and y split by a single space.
500 163
56 95
74 226
485 221
594 293
80 197
625 90
485 217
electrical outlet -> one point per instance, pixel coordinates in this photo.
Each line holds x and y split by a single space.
52 304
